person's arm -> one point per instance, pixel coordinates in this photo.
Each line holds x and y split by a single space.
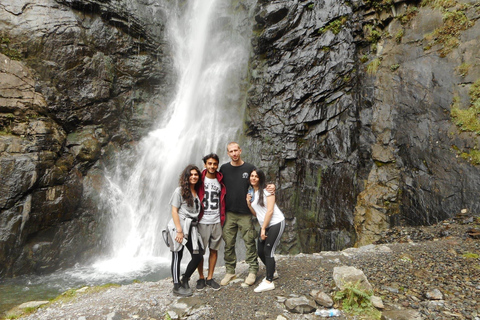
268 216
271 188
249 204
176 221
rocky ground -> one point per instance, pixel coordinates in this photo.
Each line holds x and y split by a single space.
404 267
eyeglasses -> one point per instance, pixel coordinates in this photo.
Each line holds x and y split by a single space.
197 205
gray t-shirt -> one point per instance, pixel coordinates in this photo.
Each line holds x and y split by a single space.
184 210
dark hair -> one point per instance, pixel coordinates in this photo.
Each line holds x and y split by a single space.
185 183
210 156
261 185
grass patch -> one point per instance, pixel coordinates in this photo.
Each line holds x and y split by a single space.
372 67
473 156
468 119
357 301
470 255
454 22
463 69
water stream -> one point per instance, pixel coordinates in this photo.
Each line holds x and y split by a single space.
210 47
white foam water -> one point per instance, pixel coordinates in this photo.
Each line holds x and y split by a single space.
211 54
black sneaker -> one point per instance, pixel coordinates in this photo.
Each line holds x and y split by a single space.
212 284
200 284
184 282
181 291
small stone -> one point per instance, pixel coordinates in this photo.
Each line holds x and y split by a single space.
322 298
280 317
434 294
32 304
300 305
172 314
377 302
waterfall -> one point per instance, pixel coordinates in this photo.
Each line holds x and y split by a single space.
210 53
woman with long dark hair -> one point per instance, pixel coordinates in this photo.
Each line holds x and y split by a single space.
183 230
272 223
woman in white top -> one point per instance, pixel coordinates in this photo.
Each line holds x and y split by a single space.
272 223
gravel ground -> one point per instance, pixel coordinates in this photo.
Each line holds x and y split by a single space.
402 267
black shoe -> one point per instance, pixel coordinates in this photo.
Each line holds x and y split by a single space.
178 290
184 282
213 284
200 284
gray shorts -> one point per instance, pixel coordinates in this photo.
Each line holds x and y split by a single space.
211 235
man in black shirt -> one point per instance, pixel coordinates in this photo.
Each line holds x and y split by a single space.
236 176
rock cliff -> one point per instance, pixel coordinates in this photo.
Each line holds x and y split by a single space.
360 112
365 115
79 80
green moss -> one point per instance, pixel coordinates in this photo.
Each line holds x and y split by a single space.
372 35
394 67
473 156
399 35
364 58
7 50
379 5
311 6
335 26
454 22
468 119
409 14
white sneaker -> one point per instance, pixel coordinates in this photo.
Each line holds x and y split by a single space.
264 286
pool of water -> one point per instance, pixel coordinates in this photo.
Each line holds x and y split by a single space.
45 287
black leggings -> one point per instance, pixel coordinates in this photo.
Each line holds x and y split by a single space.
266 249
192 265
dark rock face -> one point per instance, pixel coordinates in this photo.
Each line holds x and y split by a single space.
89 75
302 117
355 152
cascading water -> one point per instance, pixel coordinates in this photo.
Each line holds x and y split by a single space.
210 57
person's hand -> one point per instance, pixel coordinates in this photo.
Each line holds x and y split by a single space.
249 198
263 234
271 188
179 237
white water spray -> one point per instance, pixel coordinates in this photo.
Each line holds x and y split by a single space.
210 58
